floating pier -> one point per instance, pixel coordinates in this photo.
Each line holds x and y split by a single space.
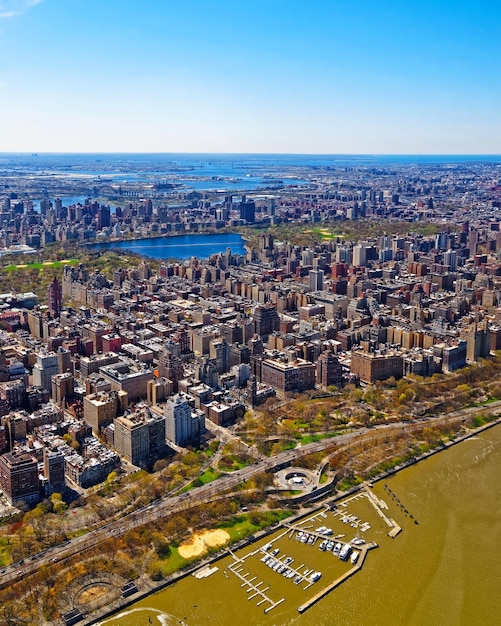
394 527
253 586
318 596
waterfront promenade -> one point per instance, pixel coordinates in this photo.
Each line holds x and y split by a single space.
225 552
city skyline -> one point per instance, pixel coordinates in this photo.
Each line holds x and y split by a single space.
225 78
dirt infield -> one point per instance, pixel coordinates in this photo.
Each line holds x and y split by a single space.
201 541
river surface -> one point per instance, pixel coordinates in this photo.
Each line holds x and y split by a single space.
442 569
180 246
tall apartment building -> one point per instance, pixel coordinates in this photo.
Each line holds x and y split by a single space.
370 366
96 334
140 436
232 332
64 362
63 388
453 356
316 280
182 424
201 338
53 470
159 389
55 297
91 364
19 478
359 255
478 341
101 408
45 368
247 210
128 377
12 392
284 375
329 370
170 367
220 351
266 321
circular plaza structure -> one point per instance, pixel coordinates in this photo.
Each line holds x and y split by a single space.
296 479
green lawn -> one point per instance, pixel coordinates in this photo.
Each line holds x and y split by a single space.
208 476
246 524
232 462
171 564
40 266
313 438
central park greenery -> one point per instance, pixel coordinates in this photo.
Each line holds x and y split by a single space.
34 272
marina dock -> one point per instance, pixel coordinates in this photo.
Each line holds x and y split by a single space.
318 596
377 504
253 586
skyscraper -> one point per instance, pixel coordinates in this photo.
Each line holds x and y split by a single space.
182 424
248 210
316 280
55 297
44 369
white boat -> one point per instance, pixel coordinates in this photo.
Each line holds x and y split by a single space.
337 549
345 552
354 556
315 576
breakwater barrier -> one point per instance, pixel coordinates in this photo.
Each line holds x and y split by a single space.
339 581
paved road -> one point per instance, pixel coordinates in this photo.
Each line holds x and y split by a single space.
168 505
162 507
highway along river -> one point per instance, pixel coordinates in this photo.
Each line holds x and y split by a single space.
444 567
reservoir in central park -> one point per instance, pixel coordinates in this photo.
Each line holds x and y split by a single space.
179 247
442 568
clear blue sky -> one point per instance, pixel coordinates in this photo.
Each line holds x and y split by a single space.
324 76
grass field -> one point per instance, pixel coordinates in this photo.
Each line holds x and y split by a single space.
208 476
242 526
39 266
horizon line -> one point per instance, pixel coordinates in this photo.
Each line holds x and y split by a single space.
328 154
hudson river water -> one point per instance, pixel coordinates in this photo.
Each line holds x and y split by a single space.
444 570
180 246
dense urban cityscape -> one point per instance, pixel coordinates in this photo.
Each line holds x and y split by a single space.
250 313
390 273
